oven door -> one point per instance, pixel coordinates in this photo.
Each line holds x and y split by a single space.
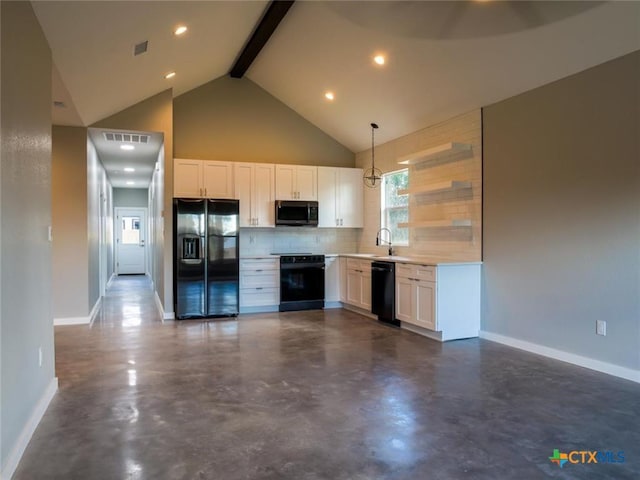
301 286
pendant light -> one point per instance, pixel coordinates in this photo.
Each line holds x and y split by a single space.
373 175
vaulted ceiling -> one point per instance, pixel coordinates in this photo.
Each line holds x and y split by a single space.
443 58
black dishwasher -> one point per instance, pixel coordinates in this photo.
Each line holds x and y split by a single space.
383 292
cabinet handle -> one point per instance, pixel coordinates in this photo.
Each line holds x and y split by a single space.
258 270
257 222
340 222
201 192
205 191
259 288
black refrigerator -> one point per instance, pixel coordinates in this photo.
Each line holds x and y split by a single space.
206 258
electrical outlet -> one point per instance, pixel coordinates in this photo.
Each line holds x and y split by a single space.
39 356
601 328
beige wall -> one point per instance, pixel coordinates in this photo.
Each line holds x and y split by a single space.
155 114
26 320
236 120
439 243
561 214
70 221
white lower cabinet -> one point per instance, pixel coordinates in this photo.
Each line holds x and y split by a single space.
358 285
259 284
415 298
443 302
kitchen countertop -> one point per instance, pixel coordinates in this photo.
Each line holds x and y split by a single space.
417 260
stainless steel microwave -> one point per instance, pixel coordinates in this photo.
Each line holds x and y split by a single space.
296 213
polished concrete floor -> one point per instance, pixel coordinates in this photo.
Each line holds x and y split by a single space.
315 395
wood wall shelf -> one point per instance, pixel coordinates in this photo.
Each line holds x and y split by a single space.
434 152
437 223
437 187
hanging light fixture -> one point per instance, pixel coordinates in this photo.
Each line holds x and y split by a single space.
373 175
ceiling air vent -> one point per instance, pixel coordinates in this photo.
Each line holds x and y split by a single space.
140 48
126 137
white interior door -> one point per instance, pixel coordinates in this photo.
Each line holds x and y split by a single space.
131 235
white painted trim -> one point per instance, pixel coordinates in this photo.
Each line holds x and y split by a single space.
260 309
71 321
590 363
113 276
15 454
163 315
94 311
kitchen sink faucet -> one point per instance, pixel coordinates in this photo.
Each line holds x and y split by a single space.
379 239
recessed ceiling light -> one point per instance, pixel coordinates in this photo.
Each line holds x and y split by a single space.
127 146
180 30
129 169
170 75
379 59
329 96
131 183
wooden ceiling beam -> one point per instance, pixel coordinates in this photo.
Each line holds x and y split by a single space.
274 14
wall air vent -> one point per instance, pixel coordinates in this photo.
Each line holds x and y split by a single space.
126 137
140 48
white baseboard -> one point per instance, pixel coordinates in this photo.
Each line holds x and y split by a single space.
163 315
590 363
80 320
113 275
15 454
71 321
94 311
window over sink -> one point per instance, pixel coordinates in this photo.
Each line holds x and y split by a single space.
394 207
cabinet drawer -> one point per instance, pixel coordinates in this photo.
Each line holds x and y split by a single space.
416 272
258 297
353 264
259 264
424 272
404 270
265 279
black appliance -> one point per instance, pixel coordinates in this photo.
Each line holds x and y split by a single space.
296 213
206 258
301 282
383 292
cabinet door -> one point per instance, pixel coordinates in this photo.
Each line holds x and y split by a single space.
354 288
264 195
331 279
365 299
327 197
217 179
285 182
187 178
243 174
307 183
350 195
404 300
425 305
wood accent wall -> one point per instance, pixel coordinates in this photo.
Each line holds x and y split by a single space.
441 243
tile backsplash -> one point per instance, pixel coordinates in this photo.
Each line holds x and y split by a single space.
261 241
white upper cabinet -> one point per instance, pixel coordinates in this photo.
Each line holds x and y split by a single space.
340 197
255 188
296 182
202 179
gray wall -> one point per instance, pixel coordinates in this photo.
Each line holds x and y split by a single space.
562 214
236 120
131 197
69 217
25 310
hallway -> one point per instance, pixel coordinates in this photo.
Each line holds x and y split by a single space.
314 395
